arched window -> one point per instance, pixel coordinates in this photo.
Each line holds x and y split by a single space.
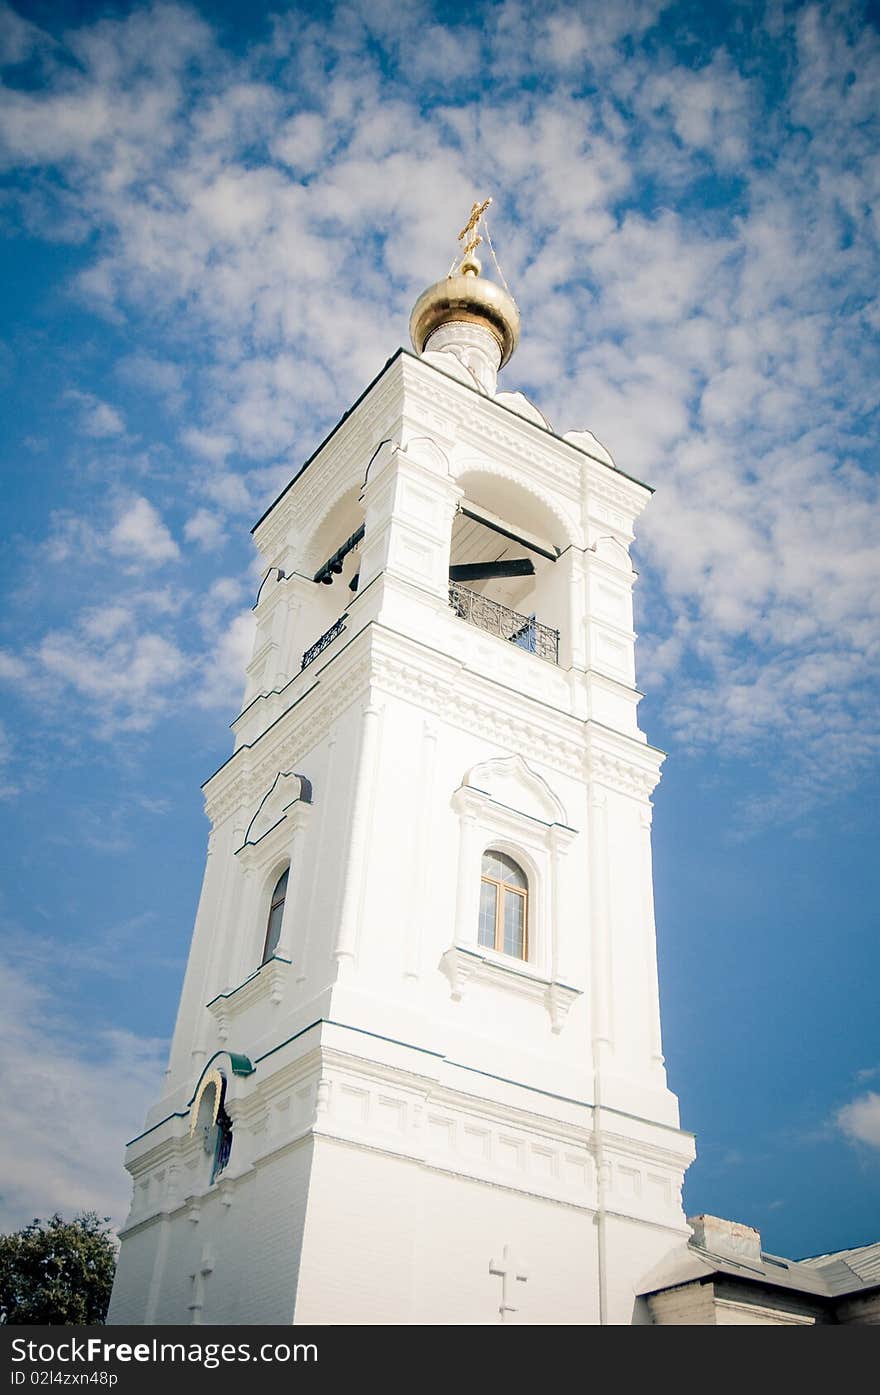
210 1117
504 905
276 911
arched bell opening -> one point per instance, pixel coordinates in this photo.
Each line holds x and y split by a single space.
503 572
332 562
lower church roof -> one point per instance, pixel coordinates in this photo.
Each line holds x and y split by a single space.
844 1273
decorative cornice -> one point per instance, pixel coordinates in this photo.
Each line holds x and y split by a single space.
529 440
560 998
463 965
518 780
487 709
291 736
266 984
514 823
288 798
300 1097
401 667
475 422
622 773
629 498
626 1146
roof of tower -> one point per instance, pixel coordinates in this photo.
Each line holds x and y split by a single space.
464 295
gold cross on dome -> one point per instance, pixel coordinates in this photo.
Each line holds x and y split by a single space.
469 229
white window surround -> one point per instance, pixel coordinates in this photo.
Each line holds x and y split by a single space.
274 840
520 827
266 983
287 790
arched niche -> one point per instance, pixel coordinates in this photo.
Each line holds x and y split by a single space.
332 552
211 1108
503 520
340 521
510 781
508 496
613 553
286 790
223 1065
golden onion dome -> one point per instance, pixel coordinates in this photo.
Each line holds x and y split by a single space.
464 296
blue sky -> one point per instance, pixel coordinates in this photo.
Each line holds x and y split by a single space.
215 223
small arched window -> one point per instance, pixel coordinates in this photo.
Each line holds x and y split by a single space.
276 912
504 905
223 1145
211 1118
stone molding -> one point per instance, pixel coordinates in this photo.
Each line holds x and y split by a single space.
287 800
377 657
621 773
395 1109
531 484
463 964
292 735
265 984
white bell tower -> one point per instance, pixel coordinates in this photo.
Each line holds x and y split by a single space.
417 1073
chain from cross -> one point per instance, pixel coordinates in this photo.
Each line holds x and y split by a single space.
469 229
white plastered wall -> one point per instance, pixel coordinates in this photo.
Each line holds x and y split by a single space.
385 725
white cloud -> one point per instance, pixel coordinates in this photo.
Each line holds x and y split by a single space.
229 491
126 674
302 141
140 537
128 658
224 592
137 535
224 664
105 622
859 1120
205 528
156 375
71 537
161 600
12 668
79 1094
709 108
7 787
97 419
18 37
209 444
285 224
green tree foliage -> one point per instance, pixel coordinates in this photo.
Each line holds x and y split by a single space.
57 1271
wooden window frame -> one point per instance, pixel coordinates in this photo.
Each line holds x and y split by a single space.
502 889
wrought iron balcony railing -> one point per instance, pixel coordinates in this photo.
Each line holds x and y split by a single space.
522 630
326 639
